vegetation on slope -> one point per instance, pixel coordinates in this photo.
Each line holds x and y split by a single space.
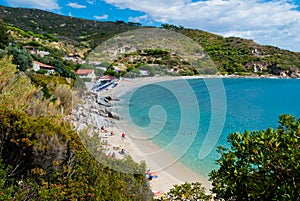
154 62
239 55
158 51
79 32
3 35
230 55
42 158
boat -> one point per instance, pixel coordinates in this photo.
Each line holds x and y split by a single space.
103 83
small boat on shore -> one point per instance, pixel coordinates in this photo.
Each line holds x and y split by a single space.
104 83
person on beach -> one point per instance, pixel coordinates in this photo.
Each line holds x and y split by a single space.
123 136
150 175
122 152
113 155
103 130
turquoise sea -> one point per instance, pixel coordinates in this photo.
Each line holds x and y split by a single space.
190 118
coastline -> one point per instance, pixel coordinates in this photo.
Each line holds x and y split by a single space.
168 176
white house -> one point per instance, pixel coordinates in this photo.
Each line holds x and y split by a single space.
86 73
40 66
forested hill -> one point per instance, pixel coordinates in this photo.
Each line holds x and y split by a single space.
244 56
231 55
74 30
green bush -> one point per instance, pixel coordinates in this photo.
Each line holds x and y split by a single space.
42 71
4 37
188 191
21 57
260 165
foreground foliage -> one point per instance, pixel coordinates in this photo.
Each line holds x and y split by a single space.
188 191
42 158
43 161
260 165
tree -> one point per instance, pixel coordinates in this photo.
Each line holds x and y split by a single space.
21 57
6 189
4 37
260 165
188 191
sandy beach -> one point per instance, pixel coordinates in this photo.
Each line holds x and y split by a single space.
168 170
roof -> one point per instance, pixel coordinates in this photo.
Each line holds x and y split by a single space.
84 71
107 77
43 65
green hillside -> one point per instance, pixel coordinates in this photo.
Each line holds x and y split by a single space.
42 157
230 55
79 32
242 55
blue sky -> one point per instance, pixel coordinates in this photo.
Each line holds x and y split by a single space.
268 22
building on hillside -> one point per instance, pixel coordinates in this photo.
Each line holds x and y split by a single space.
40 66
102 68
42 53
74 57
34 50
120 69
86 73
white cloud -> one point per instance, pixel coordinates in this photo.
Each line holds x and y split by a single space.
75 5
102 17
138 19
91 1
275 22
40 4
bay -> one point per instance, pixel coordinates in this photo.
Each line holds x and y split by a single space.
190 118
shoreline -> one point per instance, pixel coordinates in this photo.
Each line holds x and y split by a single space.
168 176
176 172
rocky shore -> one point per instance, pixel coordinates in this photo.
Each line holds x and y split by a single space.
94 109
97 111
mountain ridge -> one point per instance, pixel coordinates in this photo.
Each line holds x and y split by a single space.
231 55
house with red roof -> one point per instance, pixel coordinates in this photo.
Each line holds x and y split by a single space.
86 73
40 66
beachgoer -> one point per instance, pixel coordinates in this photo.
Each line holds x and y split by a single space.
148 176
123 135
123 151
151 174
113 155
108 155
111 132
